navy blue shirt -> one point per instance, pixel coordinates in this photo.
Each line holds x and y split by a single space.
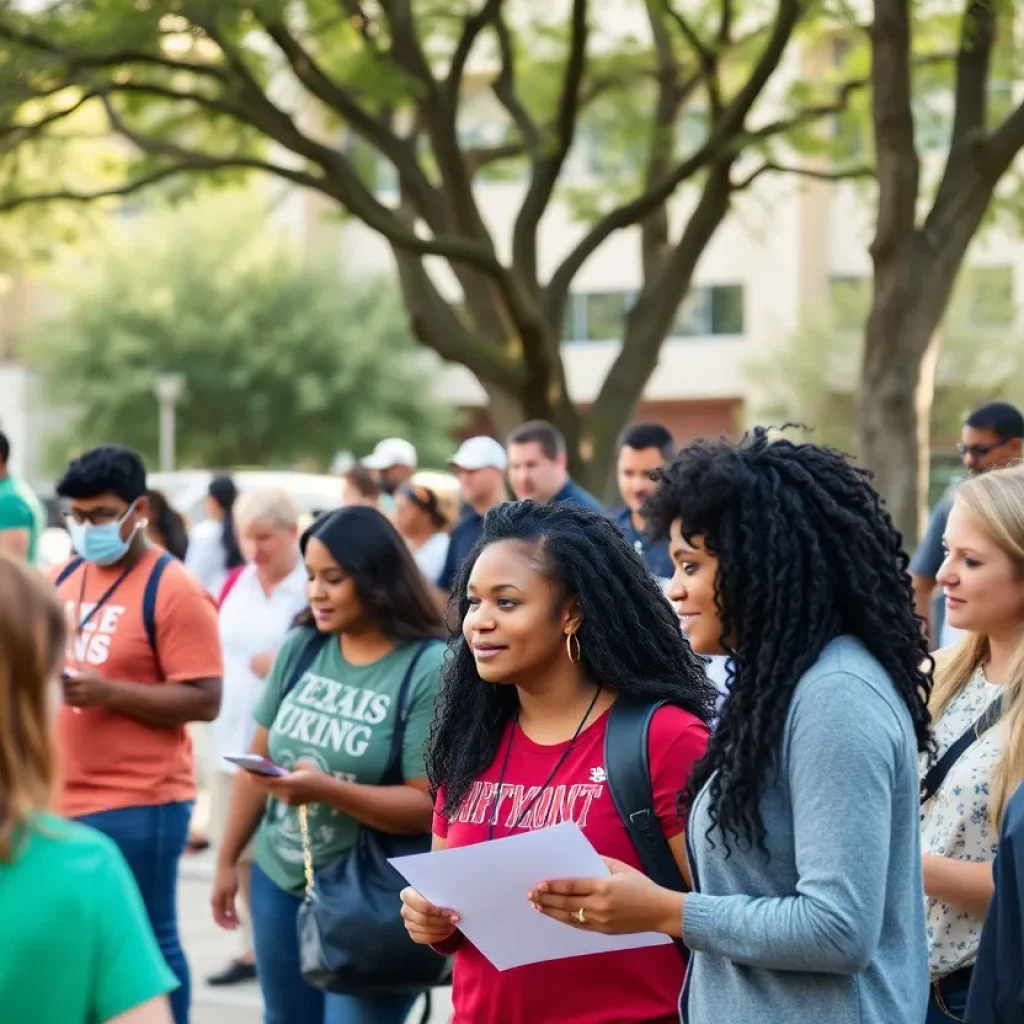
655 555
573 492
997 989
462 540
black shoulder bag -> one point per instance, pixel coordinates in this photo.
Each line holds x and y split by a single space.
351 935
627 764
938 771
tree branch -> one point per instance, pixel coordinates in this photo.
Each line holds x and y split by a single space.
651 318
434 322
546 168
1006 141
479 157
706 59
504 88
66 195
723 135
396 149
891 111
850 174
970 113
973 60
118 58
405 46
28 131
471 30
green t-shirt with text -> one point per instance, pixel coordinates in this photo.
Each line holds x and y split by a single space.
19 510
77 945
340 718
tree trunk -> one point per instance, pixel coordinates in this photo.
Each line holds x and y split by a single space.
894 407
897 383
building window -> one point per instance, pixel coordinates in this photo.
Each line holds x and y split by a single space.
597 316
711 310
601 316
989 293
849 302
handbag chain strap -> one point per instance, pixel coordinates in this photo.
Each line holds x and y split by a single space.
307 850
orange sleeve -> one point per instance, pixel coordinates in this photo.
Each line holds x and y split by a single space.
187 637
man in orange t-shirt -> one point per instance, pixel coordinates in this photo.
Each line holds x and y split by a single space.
143 660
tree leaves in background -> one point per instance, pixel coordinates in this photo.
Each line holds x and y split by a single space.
284 363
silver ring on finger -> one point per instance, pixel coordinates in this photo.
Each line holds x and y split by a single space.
581 916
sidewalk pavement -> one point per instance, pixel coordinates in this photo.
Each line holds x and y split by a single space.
209 949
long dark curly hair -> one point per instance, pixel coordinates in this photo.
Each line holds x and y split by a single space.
630 638
806 553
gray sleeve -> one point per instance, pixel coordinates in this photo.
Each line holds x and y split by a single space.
841 765
930 554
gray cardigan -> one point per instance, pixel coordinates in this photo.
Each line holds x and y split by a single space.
831 926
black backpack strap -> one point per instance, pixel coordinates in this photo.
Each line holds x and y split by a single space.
149 599
68 571
627 765
315 642
393 771
938 771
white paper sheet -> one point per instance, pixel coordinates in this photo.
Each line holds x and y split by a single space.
487 883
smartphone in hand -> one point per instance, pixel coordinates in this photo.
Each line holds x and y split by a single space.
256 764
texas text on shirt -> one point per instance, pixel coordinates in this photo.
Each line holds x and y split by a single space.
111 760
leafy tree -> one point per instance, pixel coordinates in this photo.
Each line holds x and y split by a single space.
323 93
920 241
281 364
811 377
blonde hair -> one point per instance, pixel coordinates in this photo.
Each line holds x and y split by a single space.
271 505
997 500
31 652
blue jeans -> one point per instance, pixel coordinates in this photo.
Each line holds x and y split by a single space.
152 840
948 997
287 998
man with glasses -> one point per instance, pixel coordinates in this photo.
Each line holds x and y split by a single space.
992 437
143 660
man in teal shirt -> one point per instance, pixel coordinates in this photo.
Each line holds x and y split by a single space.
22 519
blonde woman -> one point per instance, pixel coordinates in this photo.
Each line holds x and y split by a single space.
983 582
77 945
257 606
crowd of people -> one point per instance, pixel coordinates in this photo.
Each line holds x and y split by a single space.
835 815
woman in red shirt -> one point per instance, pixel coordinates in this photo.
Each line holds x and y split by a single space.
559 617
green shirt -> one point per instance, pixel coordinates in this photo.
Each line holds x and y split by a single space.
18 512
341 718
77 945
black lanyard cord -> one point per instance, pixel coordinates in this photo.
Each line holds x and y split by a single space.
82 623
547 782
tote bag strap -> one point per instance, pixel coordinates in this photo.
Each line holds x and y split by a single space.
394 762
393 770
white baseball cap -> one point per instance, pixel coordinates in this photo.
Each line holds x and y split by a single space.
479 453
392 451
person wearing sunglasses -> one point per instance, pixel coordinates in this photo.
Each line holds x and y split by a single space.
992 437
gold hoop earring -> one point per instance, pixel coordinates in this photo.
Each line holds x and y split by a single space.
569 637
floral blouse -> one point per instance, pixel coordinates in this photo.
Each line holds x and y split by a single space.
956 821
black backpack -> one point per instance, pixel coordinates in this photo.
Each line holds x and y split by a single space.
148 598
627 764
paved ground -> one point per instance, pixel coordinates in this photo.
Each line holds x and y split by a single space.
209 949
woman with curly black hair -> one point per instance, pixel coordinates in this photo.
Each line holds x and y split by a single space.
803 838
560 618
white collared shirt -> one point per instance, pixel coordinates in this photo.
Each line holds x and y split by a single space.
250 623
